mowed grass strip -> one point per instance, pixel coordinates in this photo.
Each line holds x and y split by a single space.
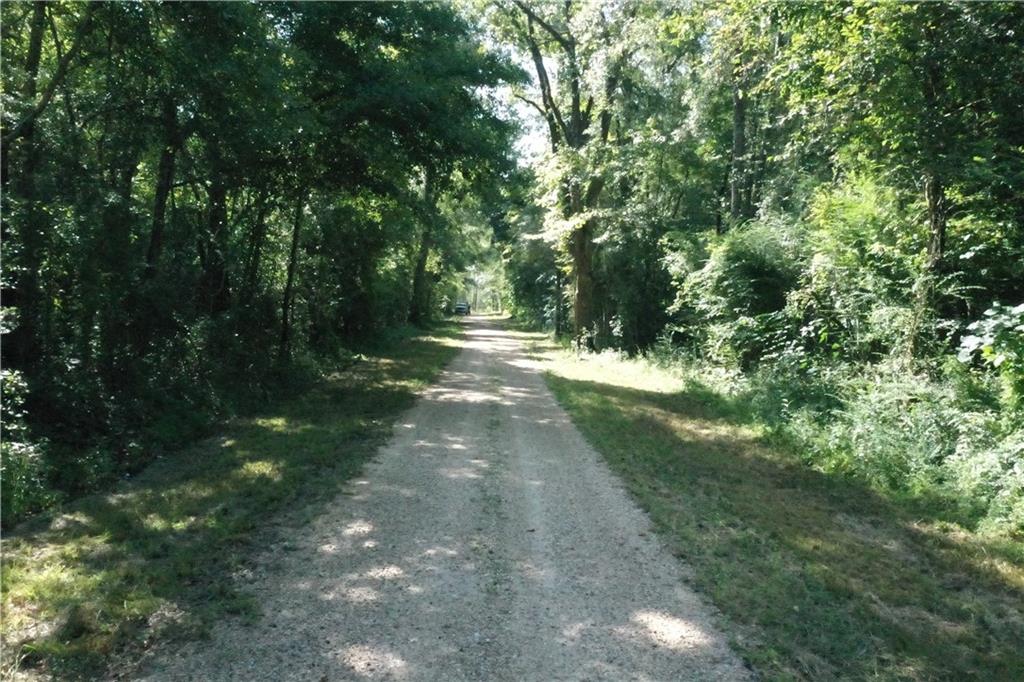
157 557
818 577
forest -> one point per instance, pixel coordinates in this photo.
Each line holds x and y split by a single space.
814 208
206 202
820 203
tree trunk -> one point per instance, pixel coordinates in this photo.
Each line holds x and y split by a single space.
574 130
118 297
583 290
750 159
739 152
558 302
935 194
215 291
252 265
284 350
164 183
22 344
419 305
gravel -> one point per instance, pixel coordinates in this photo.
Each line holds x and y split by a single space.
486 541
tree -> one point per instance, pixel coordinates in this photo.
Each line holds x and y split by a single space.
578 110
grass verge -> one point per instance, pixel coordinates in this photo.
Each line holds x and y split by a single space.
157 557
817 576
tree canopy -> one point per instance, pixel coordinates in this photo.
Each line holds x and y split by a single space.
200 198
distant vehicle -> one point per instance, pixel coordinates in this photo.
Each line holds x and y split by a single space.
461 308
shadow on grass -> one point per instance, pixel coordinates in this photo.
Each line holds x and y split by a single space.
823 577
160 556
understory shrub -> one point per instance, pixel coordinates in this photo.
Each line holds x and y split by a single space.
23 487
999 337
811 325
941 439
740 292
936 440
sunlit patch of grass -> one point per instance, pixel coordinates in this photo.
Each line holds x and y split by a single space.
817 576
261 469
615 370
157 556
279 424
447 341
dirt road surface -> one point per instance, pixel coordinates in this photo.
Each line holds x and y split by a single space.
487 541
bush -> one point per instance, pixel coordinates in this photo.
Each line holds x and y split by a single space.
806 323
740 292
23 487
999 337
935 439
854 301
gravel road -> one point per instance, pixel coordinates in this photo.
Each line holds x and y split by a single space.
487 541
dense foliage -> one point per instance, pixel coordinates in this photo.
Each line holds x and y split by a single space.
203 201
818 206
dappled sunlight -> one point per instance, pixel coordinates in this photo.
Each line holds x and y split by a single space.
669 631
357 528
439 551
514 393
463 395
50 569
68 521
281 425
174 534
531 571
354 595
987 557
261 469
459 472
363 492
751 513
530 365
160 523
373 662
611 368
388 572
546 421
694 427
475 470
446 554
445 341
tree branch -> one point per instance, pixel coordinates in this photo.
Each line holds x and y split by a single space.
533 104
586 111
553 115
562 40
84 25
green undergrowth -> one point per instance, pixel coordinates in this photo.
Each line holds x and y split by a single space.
157 557
817 575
